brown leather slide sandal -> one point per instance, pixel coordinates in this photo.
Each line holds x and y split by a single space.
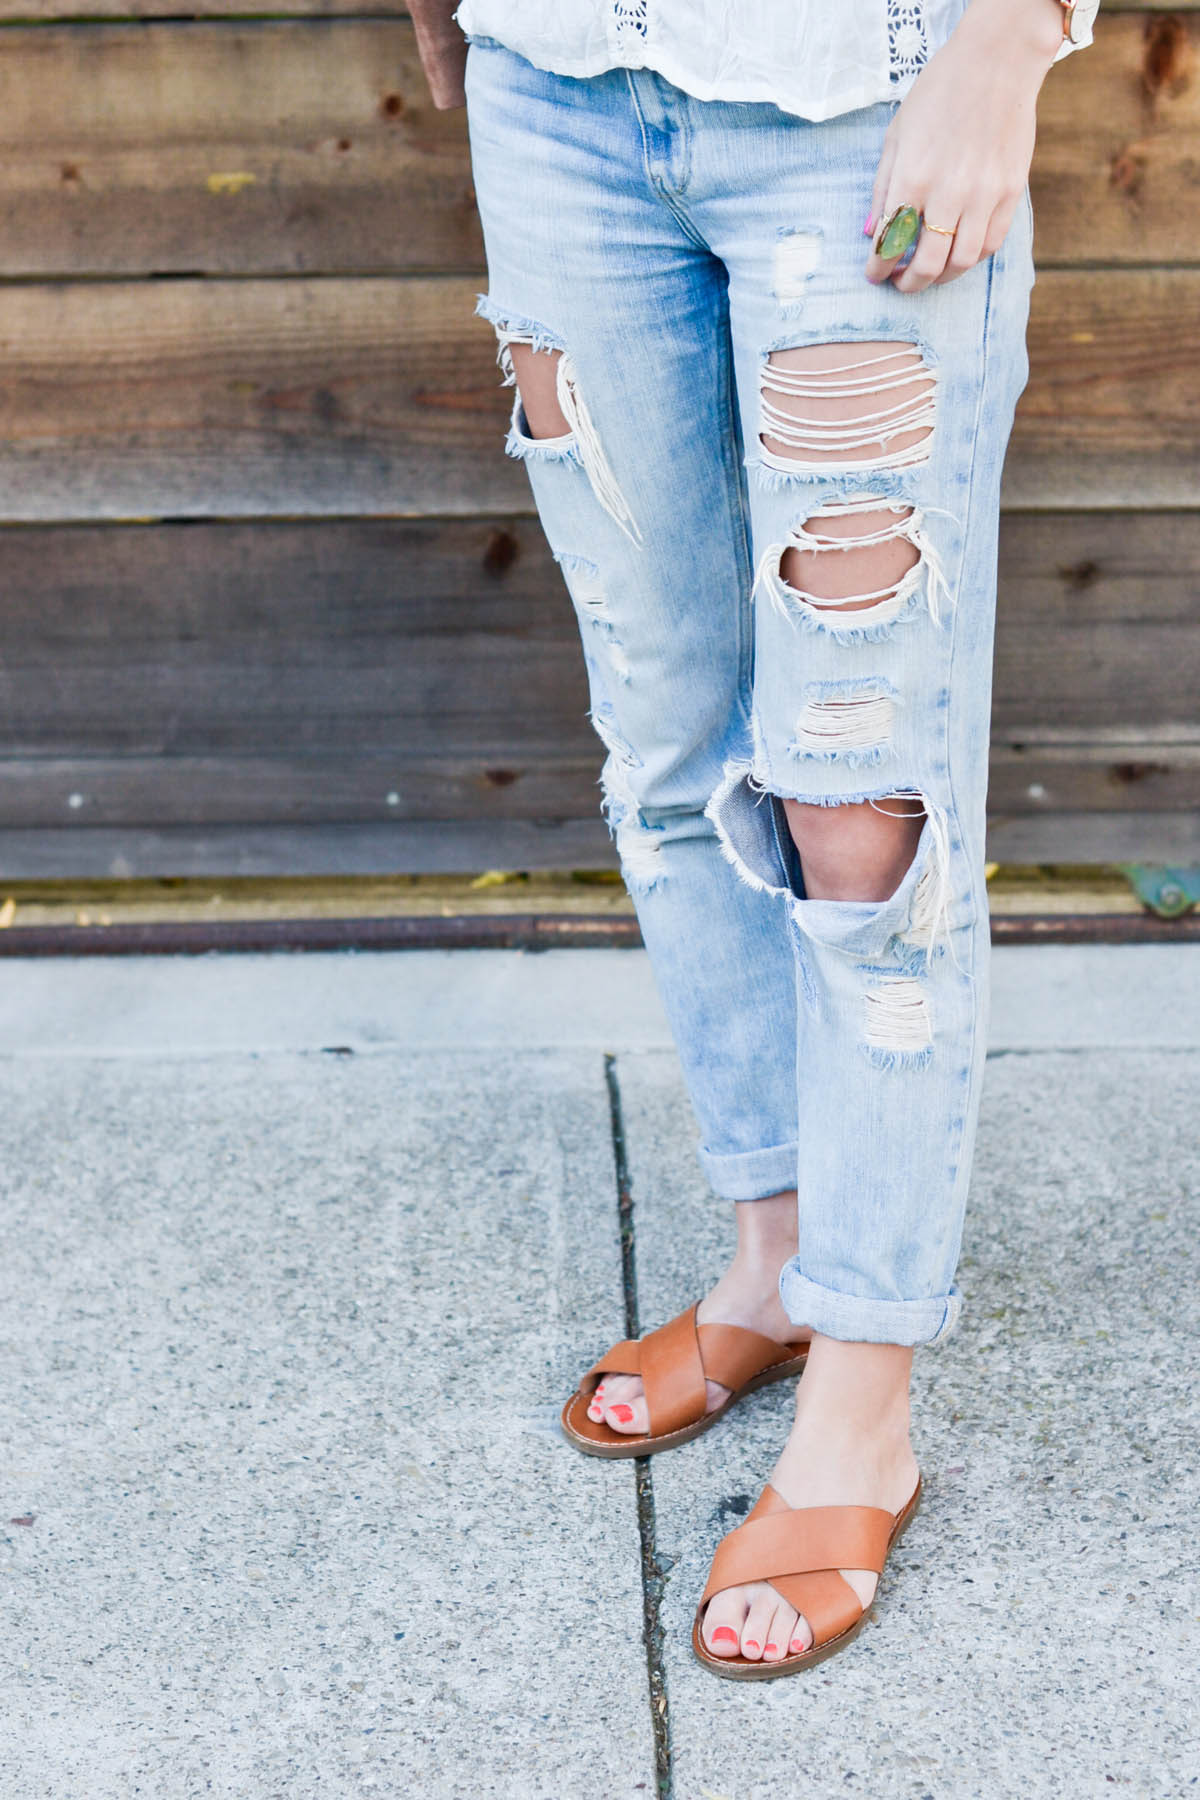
800 1551
674 1362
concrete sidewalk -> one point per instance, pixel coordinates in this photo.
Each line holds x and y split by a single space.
301 1255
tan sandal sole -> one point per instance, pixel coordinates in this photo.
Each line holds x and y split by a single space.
740 1668
617 1446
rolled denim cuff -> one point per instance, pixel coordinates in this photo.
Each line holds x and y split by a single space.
751 1174
856 1319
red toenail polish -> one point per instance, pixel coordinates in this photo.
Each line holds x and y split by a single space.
723 1635
624 1413
796 1644
771 1650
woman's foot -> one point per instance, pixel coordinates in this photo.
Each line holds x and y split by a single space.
747 1294
849 1446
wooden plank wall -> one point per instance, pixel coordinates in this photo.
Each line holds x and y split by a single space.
273 601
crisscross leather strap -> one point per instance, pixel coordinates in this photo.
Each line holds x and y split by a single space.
675 1361
800 1551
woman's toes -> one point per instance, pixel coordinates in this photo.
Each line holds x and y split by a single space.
721 1631
630 1416
620 1402
756 1632
801 1638
780 1633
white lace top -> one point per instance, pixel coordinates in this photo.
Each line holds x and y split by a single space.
812 57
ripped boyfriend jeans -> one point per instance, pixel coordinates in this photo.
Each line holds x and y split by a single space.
674 250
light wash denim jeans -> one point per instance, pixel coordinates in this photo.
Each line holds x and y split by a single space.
666 246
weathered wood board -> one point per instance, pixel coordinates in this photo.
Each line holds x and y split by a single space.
293 146
333 396
270 147
242 258
380 671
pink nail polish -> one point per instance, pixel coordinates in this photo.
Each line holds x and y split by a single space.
771 1650
751 1645
723 1635
796 1645
624 1413
869 227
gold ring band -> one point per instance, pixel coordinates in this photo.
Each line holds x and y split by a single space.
942 230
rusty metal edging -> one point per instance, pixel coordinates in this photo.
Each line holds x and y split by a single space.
512 931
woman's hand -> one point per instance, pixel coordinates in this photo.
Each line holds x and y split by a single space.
960 145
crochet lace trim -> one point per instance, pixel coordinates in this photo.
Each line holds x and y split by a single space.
908 41
629 18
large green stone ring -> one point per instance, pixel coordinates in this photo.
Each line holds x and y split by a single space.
898 232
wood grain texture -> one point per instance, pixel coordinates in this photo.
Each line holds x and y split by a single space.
307 9
337 786
448 847
49 11
1109 418
291 674
335 396
202 398
238 148
1098 625
311 146
1095 837
1116 177
451 847
402 688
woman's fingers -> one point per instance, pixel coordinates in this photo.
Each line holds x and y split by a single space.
966 248
879 268
979 235
954 235
931 255
951 241
1000 221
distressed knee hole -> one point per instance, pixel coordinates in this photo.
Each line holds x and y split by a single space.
898 1026
563 429
866 406
865 557
856 850
907 909
847 722
535 376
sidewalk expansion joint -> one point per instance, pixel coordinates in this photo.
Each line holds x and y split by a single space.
652 1571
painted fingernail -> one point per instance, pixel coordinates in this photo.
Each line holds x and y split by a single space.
624 1413
869 227
723 1635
